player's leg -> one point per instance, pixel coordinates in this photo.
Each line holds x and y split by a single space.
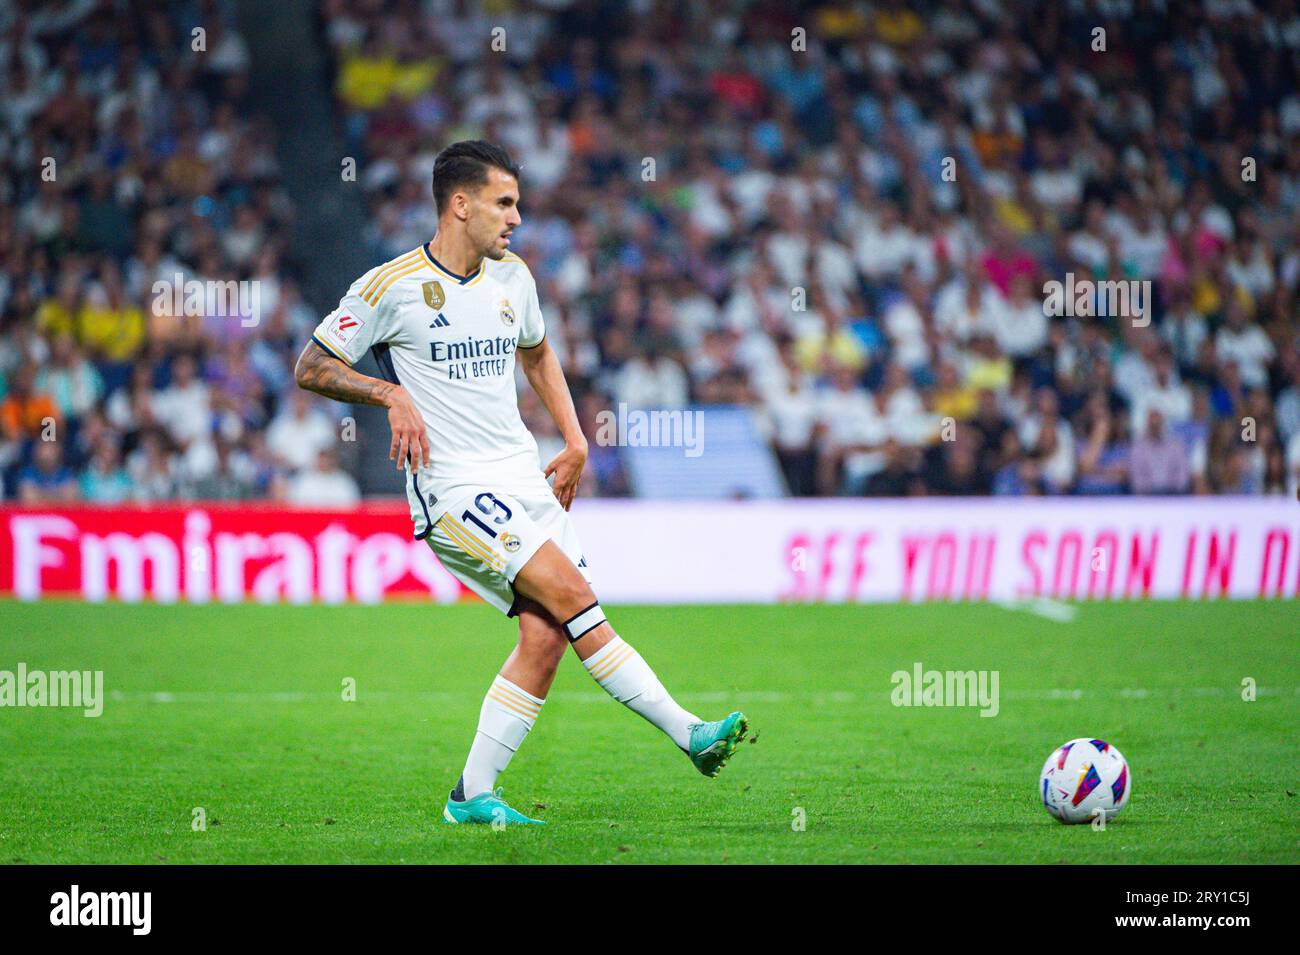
542 642
550 579
513 701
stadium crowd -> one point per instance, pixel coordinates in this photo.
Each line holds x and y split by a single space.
845 216
127 160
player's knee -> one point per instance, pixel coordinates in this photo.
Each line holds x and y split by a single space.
571 593
563 598
543 643
552 581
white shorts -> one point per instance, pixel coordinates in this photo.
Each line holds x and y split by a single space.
484 537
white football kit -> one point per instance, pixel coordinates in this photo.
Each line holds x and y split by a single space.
482 501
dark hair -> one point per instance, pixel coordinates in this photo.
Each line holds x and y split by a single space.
466 163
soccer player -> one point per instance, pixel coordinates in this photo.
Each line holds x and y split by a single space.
446 323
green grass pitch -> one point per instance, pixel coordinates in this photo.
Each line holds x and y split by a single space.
238 710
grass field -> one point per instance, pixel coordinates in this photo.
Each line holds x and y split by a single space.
238 710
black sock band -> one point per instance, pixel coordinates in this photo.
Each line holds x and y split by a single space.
584 621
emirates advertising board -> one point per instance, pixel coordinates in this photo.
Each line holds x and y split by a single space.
985 549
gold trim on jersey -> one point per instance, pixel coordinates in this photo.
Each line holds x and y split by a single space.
428 257
387 269
513 259
393 277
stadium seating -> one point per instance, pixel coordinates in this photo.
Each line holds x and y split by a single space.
854 235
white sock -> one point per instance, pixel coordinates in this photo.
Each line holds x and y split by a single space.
625 676
507 715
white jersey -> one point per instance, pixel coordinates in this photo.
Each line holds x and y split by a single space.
450 341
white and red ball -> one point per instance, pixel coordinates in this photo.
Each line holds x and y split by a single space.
1083 778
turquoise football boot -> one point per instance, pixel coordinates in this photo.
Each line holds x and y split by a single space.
713 743
486 808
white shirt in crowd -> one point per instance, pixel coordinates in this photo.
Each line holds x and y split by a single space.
1173 400
955 319
906 329
884 251
792 417
661 384
297 440
323 489
185 411
1019 329
1133 375
1250 348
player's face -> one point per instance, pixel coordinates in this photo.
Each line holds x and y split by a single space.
494 213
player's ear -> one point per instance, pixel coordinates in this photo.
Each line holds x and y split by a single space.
460 205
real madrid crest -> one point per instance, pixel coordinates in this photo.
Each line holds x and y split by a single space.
509 541
507 313
434 296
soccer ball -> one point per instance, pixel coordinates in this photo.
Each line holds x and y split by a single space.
1083 778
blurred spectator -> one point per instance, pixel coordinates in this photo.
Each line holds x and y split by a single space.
793 416
105 481
46 480
183 407
604 474
1166 394
1159 460
652 380
1245 345
1019 324
1105 459
853 435
1050 441
323 484
1292 465
152 468
959 472
229 480
300 432
70 380
898 477
27 412
1020 475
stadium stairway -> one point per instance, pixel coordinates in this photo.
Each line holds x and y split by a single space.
290 84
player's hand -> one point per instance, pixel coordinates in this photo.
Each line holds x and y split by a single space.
409 436
567 467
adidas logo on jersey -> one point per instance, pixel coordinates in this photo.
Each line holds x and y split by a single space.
440 322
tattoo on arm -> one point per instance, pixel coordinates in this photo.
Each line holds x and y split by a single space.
321 372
